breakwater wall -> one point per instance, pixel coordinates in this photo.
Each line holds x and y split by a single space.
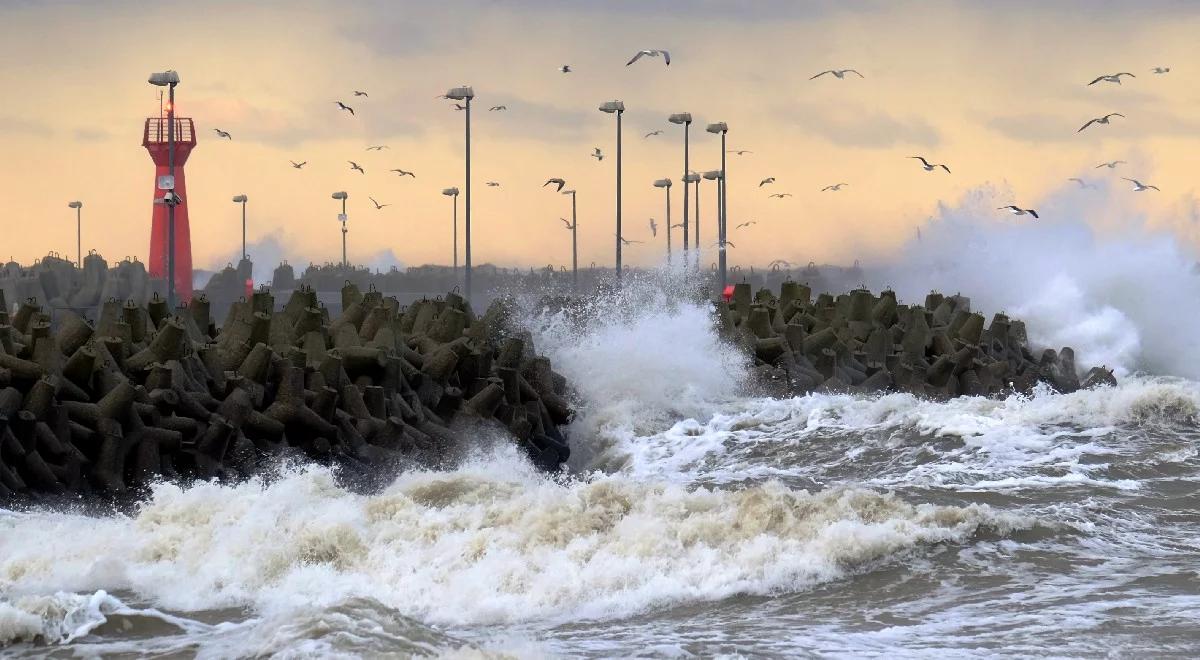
863 342
147 393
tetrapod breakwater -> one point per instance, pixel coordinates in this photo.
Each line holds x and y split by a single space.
863 342
147 393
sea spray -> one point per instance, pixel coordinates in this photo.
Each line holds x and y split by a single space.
1087 274
640 359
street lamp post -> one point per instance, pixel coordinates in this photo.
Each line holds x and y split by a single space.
78 206
574 243
169 79
715 175
465 94
618 108
341 194
241 199
453 192
665 184
692 177
722 185
685 118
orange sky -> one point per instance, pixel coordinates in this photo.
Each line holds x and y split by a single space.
996 93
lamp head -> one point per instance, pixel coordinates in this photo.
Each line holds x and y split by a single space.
712 175
75 205
569 192
240 199
680 118
462 93
450 192
662 183
341 194
612 106
164 78
719 127
692 177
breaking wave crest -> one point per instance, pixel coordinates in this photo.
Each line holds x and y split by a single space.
492 542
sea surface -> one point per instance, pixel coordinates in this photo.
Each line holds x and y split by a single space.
697 520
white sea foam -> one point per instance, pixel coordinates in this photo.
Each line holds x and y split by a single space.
1042 437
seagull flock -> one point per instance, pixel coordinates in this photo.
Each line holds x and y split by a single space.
559 183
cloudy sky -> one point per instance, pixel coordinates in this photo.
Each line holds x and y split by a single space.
995 90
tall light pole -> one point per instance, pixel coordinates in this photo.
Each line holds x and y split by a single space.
78 206
685 118
722 128
618 108
241 199
453 192
169 79
715 175
342 218
465 93
665 184
693 177
574 243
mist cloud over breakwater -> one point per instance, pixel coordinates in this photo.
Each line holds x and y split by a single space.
1089 274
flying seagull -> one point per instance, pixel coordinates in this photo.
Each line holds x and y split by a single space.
781 195
493 184
459 106
566 68
928 166
1161 69
1112 164
739 152
496 108
1101 120
569 225
298 165
557 181
746 224
403 173
358 93
765 181
840 74
1138 186
377 204
345 107
356 166
653 228
626 241
835 187
722 247
378 147
223 134
651 52
1015 210
1082 184
597 154
651 133
1114 78
679 225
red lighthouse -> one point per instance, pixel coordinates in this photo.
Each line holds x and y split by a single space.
156 140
